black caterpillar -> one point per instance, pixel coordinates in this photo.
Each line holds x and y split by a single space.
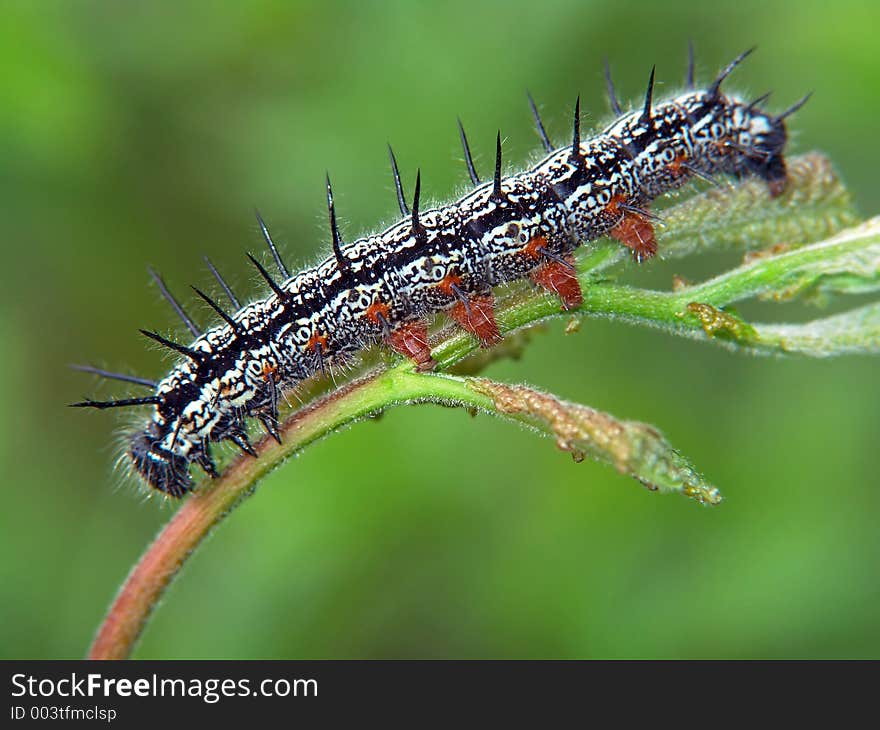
448 259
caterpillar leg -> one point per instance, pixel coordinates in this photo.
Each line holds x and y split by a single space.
476 314
411 340
559 278
634 229
636 233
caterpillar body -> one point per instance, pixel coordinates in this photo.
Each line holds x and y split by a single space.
385 286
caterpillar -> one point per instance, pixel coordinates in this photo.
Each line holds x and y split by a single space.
383 287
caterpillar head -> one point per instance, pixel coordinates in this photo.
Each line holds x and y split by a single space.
760 140
760 143
160 468
743 138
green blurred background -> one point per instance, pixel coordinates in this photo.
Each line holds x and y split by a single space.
135 134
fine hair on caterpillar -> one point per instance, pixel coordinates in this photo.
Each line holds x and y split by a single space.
385 286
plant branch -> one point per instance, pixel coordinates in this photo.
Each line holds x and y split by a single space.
633 448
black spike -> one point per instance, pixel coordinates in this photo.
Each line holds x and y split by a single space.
468 160
715 89
555 257
115 376
175 305
223 285
383 323
463 298
542 133
282 295
193 355
760 100
641 212
398 186
417 228
700 174
122 403
496 183
576 135
689 79
342 262
612 95
649 99
236 326
794 107
275 255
